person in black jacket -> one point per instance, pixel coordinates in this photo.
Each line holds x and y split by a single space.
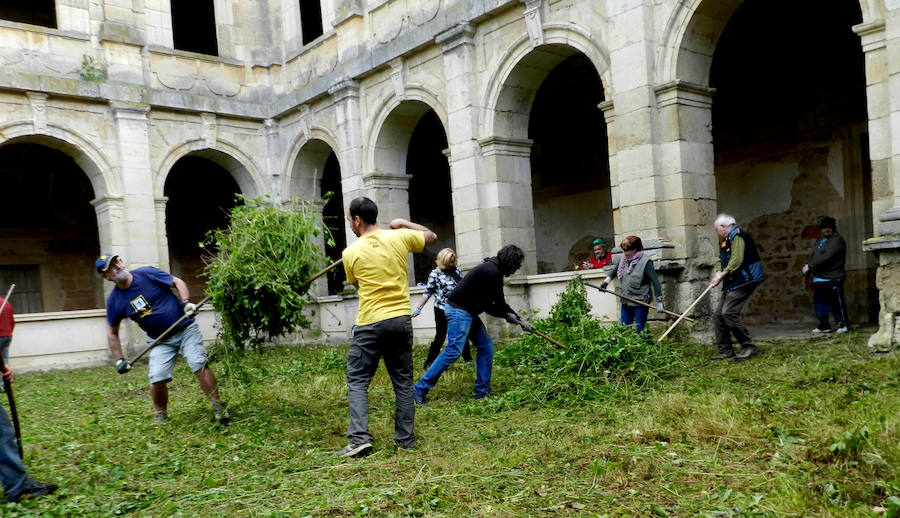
481 290
826 264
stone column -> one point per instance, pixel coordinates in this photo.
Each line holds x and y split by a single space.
137 182
882 74
274 164
162 241
503 197
636 187
464 153
349 142
685 167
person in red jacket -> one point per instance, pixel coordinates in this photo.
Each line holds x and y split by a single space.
600 256
17 485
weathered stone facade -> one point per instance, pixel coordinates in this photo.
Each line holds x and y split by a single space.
107 88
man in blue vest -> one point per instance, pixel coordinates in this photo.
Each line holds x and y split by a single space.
742 272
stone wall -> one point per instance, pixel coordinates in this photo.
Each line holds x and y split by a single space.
107 89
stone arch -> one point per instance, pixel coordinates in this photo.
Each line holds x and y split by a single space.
239 165
521 69
306 161
103 177
65 190
692 32
390 147
781 157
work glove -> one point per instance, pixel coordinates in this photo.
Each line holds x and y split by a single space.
188 307
660 308
805 269
528 328
122 366
603 285
512 318
416 312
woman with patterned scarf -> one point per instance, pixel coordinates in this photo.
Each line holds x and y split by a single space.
635 272
441 282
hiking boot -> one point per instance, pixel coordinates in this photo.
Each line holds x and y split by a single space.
419 398
819 331
220 413
723 355
160 417
841 330
745 353
355 450
35 490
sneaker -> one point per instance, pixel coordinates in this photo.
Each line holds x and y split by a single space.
723 355
160 417
355 450
841 330
36 490
419 398
745 353
818 331
220 413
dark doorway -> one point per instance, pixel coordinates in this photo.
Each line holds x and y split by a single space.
430 194
310 20
569 165
200 193
790 137
48 231
194 26
333 216
35 12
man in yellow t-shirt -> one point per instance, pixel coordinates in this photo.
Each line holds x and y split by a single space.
376 264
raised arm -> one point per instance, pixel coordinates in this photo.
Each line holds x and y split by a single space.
430 236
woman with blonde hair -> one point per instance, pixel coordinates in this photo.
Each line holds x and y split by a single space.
441 282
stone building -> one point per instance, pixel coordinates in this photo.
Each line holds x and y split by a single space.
129 125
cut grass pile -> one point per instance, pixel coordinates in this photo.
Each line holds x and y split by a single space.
806 428
599 361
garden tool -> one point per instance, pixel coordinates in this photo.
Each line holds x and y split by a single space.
688 310
165 333
531 329
634 301
323 272
7 386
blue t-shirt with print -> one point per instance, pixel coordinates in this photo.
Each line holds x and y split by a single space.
149 301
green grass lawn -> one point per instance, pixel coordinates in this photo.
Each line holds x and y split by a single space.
807 428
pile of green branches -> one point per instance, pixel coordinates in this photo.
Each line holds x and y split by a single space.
600 361
259 267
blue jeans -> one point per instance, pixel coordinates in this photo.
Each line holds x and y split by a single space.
461 324
828 297
12 473
636 315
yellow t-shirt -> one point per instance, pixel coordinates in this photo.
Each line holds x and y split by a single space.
377 261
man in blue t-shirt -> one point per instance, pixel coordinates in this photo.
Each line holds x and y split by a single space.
145 296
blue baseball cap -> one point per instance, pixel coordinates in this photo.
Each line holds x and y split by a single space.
104 262
598 241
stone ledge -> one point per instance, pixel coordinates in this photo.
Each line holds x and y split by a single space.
882 244
45 30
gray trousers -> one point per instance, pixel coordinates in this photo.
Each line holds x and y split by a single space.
728 318
392 340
